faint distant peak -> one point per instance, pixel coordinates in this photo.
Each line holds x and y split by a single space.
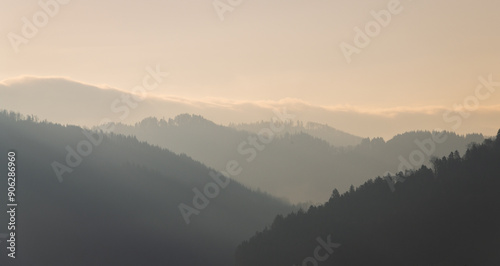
322 131
31 80
183 119
178 121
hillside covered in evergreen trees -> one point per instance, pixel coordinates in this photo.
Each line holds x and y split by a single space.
118 204
445 215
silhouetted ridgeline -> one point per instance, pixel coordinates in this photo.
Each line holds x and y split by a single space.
294 165
333 136
448 215
119 206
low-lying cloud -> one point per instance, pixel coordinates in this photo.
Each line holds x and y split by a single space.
66 101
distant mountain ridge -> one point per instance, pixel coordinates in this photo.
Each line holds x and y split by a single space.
66 101
333 136
295 166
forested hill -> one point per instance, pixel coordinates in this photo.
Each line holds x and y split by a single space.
296 166
448 215
119 203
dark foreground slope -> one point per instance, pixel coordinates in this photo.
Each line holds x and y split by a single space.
120 205
449 215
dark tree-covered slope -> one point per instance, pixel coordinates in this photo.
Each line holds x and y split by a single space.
448 215
120 205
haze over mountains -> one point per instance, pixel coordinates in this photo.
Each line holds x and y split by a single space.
284 166
65 101
447 215
129 190
250 133
120 204
121 200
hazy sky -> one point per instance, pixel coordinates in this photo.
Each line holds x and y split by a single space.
430 55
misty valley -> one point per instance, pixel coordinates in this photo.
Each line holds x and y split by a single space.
122 197
249 133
